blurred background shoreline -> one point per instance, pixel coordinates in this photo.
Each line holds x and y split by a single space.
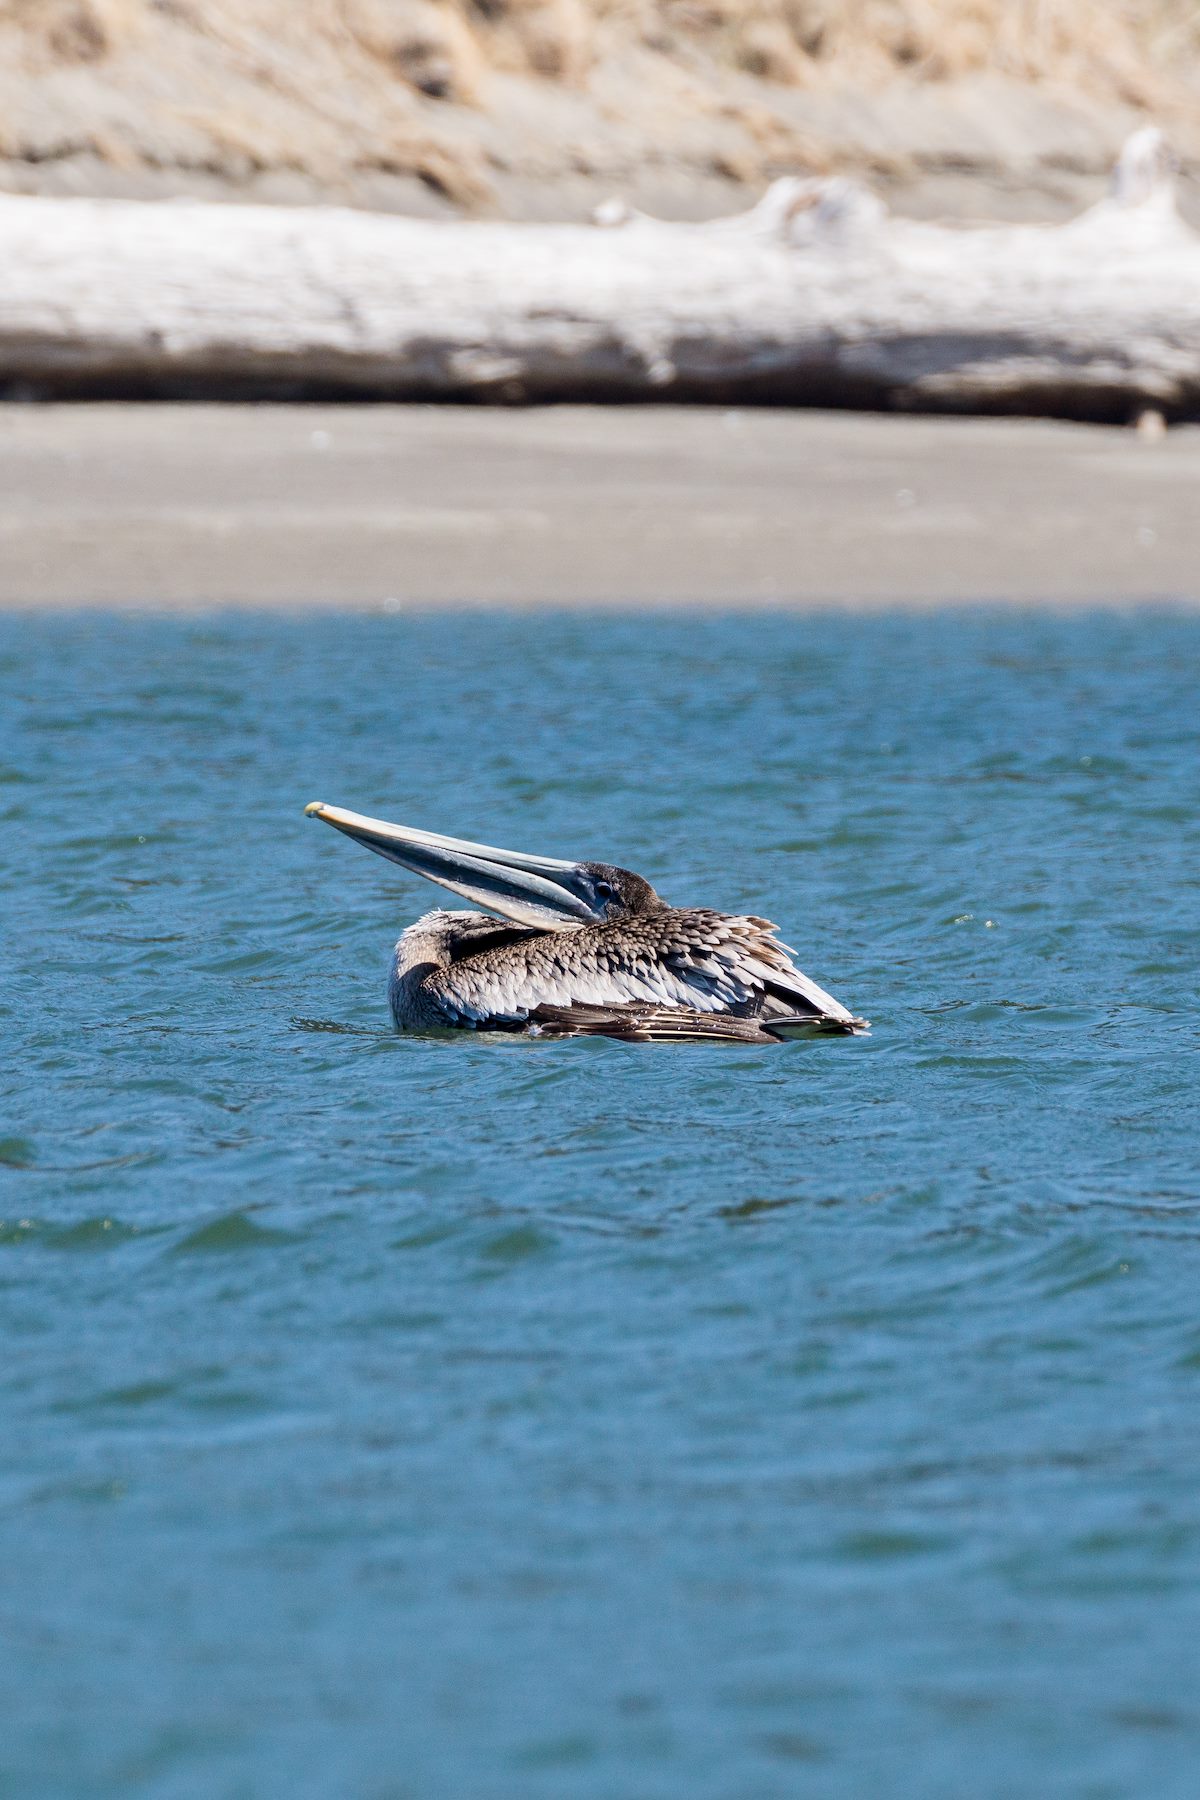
539 110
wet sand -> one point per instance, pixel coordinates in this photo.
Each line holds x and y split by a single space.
186 506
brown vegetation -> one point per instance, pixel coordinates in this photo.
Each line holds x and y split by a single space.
463 93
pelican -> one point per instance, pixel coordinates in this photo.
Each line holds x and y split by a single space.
582 949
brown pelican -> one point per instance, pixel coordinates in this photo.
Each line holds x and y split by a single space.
582 949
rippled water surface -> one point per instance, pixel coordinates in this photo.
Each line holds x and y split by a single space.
495 1420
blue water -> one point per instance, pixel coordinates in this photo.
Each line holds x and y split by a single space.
502 1420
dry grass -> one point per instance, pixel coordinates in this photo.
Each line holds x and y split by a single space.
333 86
1113 48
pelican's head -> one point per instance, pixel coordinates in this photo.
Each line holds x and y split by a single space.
615 893
531 890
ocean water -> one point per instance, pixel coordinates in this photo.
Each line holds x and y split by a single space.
459 1419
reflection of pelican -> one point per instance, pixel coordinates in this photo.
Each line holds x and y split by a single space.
582 948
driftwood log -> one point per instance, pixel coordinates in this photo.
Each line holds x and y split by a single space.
817 296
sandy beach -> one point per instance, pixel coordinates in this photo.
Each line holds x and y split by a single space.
396 507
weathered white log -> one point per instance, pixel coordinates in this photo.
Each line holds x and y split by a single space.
815 295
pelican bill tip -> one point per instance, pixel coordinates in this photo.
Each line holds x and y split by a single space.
314 809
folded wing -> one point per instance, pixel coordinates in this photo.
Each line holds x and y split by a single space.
672 961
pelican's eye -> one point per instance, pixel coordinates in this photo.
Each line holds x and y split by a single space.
605 890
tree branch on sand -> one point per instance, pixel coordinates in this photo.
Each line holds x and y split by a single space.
816 296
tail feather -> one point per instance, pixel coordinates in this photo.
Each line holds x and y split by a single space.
793 1025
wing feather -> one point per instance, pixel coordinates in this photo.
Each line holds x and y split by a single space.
647 1024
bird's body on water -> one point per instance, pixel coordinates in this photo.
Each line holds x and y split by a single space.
582 949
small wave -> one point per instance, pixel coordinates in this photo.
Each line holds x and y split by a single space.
337 1027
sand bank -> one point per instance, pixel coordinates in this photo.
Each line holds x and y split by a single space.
166 506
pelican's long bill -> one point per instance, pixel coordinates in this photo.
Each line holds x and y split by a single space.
531 890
